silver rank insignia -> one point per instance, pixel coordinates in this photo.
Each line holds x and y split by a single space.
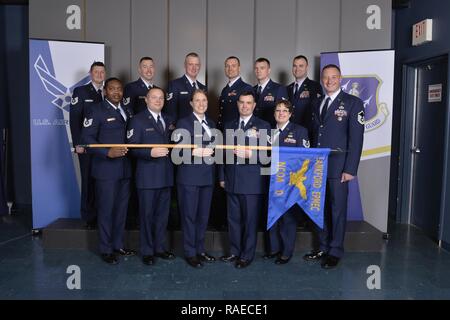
126 101
176 137
130 133
361 117
169 96
306 143
87 122
75 100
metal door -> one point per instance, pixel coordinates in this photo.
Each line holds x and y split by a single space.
428 145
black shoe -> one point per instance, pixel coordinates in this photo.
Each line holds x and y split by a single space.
329 262
148 260
268 256
204 257
314 255
166 255
194 262
241 264
109 258
282 260
125 252
230 258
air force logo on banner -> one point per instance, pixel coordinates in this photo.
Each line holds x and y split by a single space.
366 88
61 93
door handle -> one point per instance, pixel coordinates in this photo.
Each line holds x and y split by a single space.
415 150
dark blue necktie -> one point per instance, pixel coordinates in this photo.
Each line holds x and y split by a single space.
258 92
242 126
324 109
296 89
160 125
99 94
118 109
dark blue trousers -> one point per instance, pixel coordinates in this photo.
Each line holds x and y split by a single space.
283 233
154 206
194 205
243 212
87 207
3 206
112 203
335 219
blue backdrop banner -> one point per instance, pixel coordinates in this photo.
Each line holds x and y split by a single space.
56 68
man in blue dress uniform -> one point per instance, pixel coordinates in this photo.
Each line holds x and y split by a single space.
302 91
337 122
267 91
154 175
228 109
244 183
83 98
180 90
134 97
136 91
106 123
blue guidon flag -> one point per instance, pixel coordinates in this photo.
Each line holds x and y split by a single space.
299 177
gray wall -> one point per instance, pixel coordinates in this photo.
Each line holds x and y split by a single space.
167 30
216 29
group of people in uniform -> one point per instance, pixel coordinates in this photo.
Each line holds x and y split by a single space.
303 114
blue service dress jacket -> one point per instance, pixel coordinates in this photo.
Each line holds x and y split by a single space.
342 129
104 125
151 173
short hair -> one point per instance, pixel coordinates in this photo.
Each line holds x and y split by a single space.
261 59
300 56
198 91
247 93
96 64
285 103
145 58
156 88
192 54
233 57
329 66
112 79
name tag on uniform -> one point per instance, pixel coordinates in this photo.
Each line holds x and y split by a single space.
150 129
290 140
184 92
88 100
141 97
110 119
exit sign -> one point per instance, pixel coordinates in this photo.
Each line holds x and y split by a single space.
422 32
